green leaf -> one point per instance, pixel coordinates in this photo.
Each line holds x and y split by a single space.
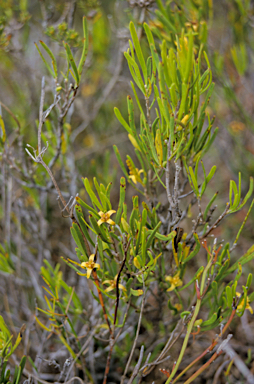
100 230
209 205
195 250
82 224
83 203
138 50
91 194
131 116
155 56
196 276
121 200
77 236
247 257
166 22
193 180
210 321
85 47
72 63
45 62
135 72
152 235
121 120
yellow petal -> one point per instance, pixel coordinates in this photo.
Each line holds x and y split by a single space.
249 308
84 264
110 288
99 222
122 287
111 222
133 178
89 271
171 288
111 212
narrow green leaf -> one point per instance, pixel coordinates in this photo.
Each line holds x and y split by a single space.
195 250
77 236
131 116
85 47
210 321
100 230
193 181
135 72
209 205
197 274
138 50
50 53
121 120
91 194
72 62
166 22
45 62
121 200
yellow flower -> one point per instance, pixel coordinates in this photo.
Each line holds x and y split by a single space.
89 265
105 217
178 306
174 281
241 303
135 176
112 285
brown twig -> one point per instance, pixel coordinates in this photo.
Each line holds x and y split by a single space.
112 340
210 348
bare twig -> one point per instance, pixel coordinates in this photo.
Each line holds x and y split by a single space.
241 366
146 369
111 340
41 120
107 90
136 339
215 224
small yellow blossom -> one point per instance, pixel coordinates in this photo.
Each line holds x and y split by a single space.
112 285
241 303
135 176
178 306
174 281
89 265
105 217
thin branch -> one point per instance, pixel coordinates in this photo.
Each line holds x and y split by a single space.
216 222
136 338
41 120
111 340
149 367
240 365
97 106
